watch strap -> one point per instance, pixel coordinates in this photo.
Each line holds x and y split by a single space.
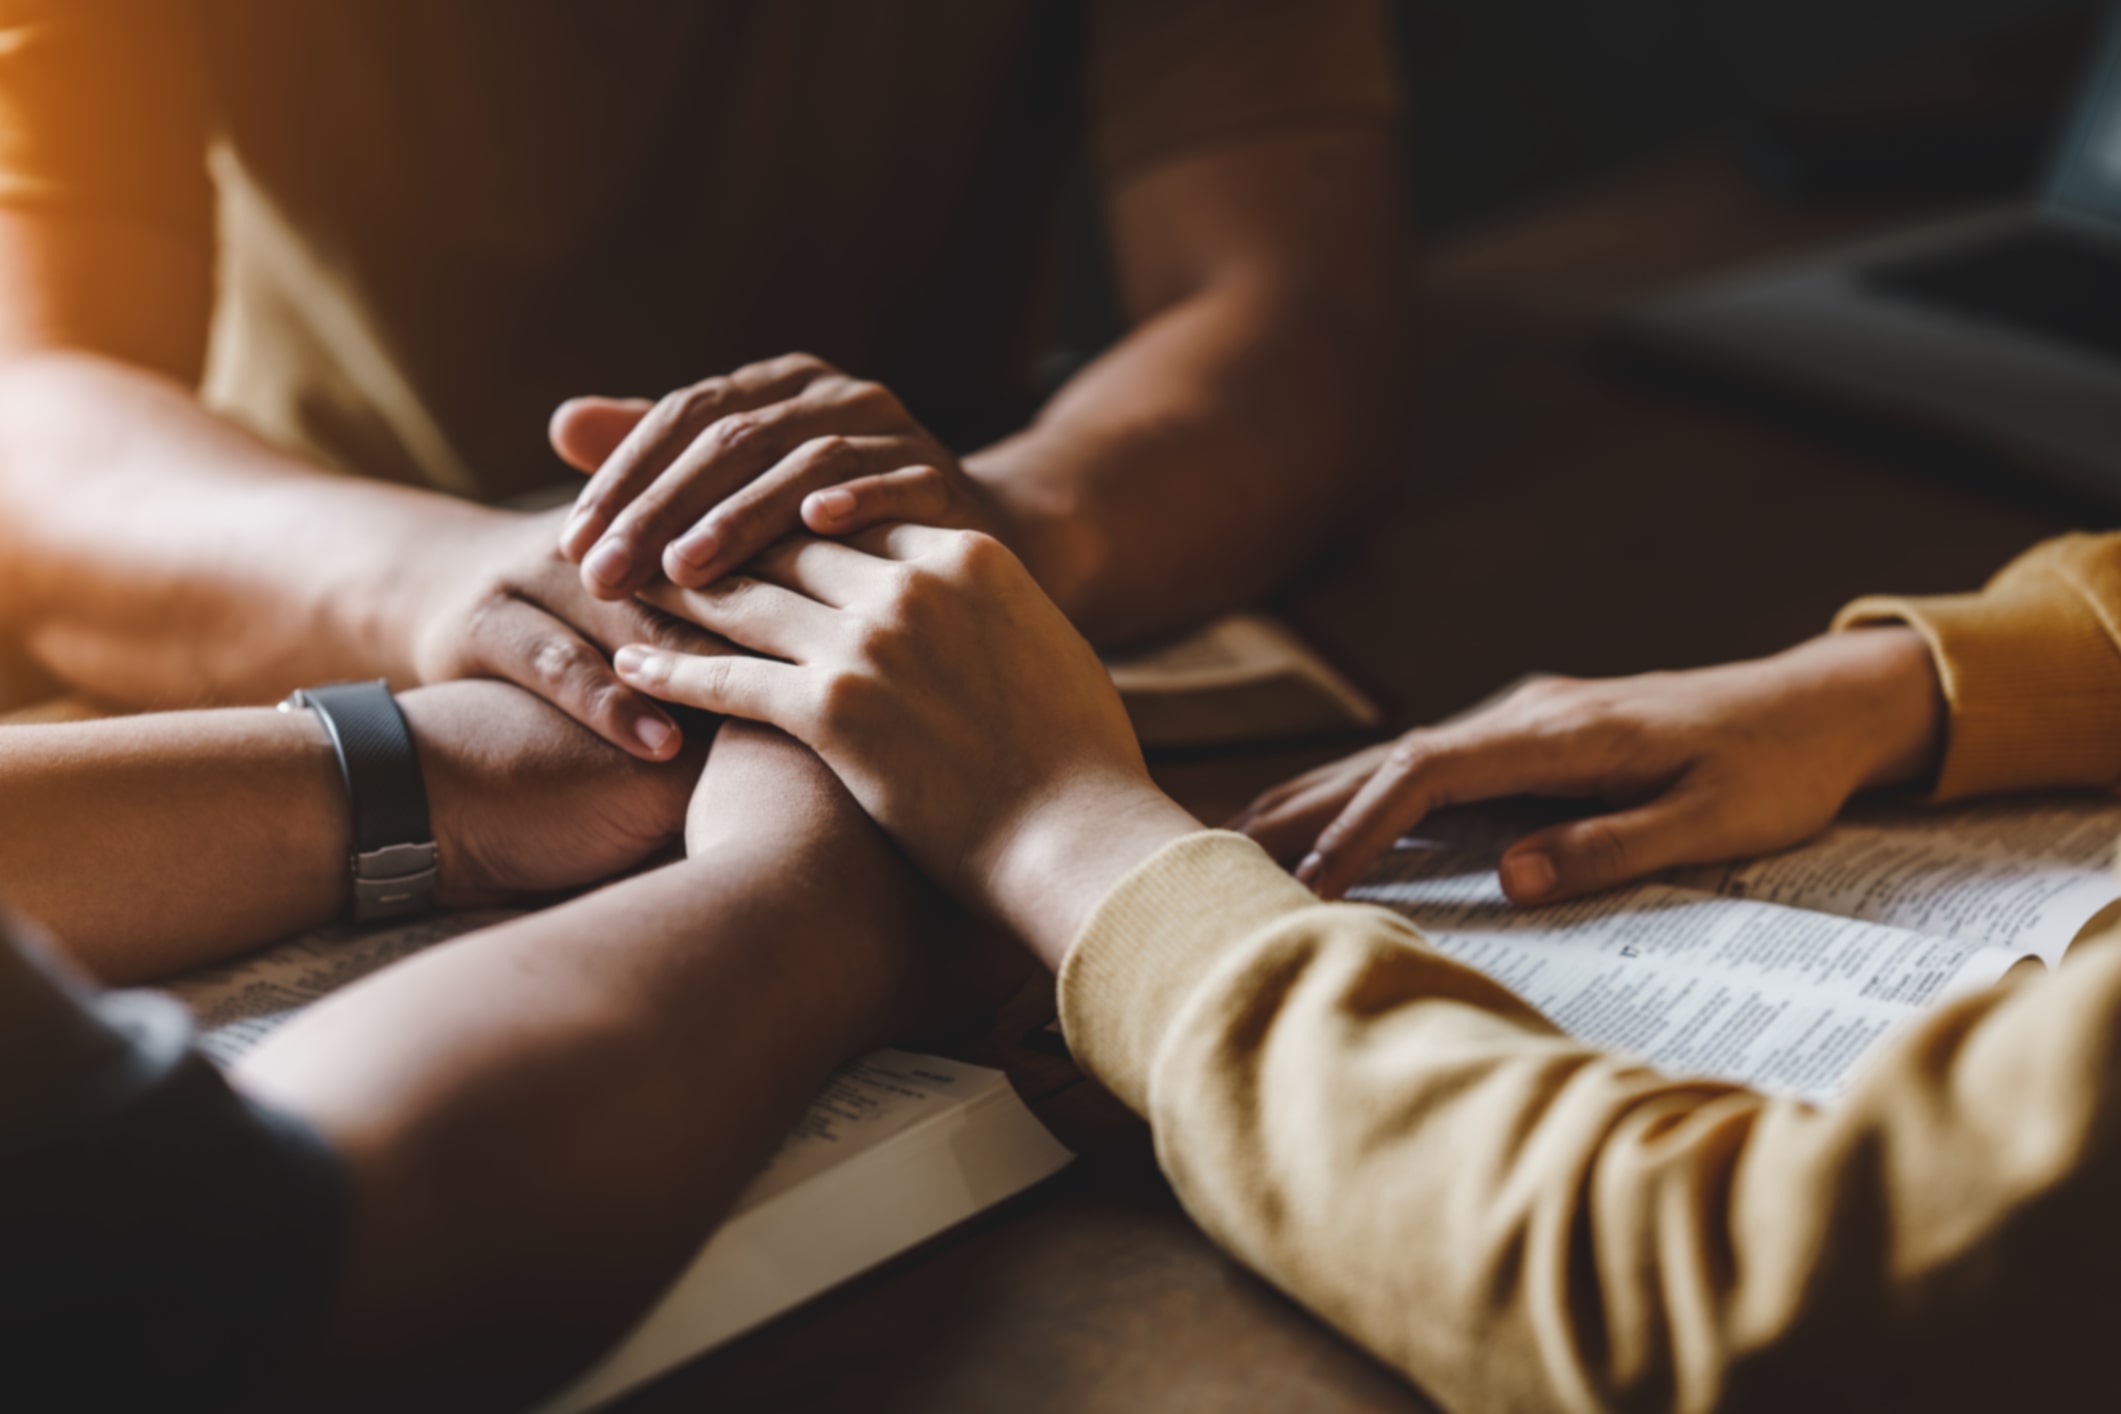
394 852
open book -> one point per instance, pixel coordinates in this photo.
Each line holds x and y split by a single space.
896 1149
1780 972
1240 680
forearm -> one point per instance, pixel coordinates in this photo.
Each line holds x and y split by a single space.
151 844
1520 1221
543 1121
155 554
1207 456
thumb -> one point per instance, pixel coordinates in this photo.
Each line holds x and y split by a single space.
1605 851
586 431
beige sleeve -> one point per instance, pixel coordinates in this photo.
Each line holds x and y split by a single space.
1167 77
2030 669
103 111
1518 1221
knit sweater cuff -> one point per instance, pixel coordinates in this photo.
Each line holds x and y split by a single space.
1149 944
2032 681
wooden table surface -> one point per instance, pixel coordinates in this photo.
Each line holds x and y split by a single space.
1557 516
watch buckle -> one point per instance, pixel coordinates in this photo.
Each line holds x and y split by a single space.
394 881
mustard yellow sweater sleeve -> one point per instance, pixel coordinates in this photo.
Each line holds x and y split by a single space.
1520 1222
2030 668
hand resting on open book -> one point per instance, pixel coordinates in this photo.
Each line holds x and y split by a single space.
1695 767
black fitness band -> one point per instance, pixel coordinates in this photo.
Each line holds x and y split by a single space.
393 858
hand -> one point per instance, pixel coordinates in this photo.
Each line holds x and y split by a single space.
526 802
504 605
955 702
1698 766
714 473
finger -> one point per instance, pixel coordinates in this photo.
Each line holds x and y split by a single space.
924 495
904 542
586 431
759 615
1354 769
1427 770
769 506
826 570
669 427
1287 826
1587 856
733 451
540 654
757 689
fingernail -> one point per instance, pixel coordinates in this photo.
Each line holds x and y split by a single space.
607 564
1308 870
655 734
642 665
1527 875
695 548
831 504
572 531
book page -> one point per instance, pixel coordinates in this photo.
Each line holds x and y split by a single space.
896 1149
1232 651
864 1104
238 1004
2022 874
1731 989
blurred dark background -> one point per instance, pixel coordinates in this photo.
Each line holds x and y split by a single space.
1514 99
1516 102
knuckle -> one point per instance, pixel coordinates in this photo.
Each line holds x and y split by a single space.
870 395
923 590
572 673
1407 755
695 405
970 552
1603 850
827 450
730 594
844 700
735 430
561 662
734 522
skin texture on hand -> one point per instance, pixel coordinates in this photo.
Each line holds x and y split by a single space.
503 604
710 475
1693 767
525 801
954 700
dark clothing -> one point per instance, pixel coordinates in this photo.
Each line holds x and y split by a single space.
165 1242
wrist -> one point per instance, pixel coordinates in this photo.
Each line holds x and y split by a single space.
1884 685
461 879
434 551
301 755
1057 862
1047 529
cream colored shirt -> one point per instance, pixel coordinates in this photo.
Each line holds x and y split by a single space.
1521 1222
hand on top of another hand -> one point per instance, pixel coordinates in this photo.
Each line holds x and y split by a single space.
526 802
698 483
957 704
1696 767
499 602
